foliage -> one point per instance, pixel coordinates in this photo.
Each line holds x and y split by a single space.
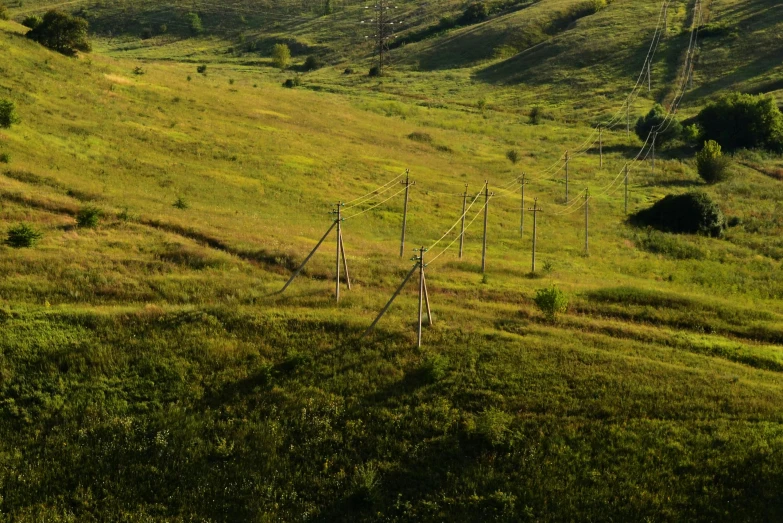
201 69
691 213
551 301
312 63
32 21
513 156
22 235
281 56
88 217
739 121
4 15
61 32
292 82
534 118
691 133
5 158
193 21
492 426
474 13
8 115
668 245
419 136
656 121
181 204
374 71
435 367
711 164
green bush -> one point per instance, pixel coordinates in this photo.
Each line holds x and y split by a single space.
32 21
690 213
551 301
656 121
61 32
281 56
22 235
312 63
5 158
4 15
8 115
422 137
375 71
712 165
492 426
201 69
475 13
743 121
181 204
535 115
292 82
435 367
513 156
88 217
194 22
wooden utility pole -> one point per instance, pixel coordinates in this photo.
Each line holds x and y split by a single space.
535 210
339 245
628 117
408 185
462 227
600 147
421 290
655 137
522 207
649 76
566 174
626 188
587 230
487 194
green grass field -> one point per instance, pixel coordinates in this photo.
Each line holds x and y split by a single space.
149 371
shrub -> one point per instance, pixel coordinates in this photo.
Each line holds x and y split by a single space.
8 115
739 121
492 425
312 63
32 21
375 71
88 217
475 13
22 235
281 56
61 32
420 137
4 15
194 22
180 203
138 70
535 115
691 133
551 301
691 213
163 28
365 483
146 33
669 246
513 156
292 82
656 121
5 158
348 70
713 167
201 69
435 367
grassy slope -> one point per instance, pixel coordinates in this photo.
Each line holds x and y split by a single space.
146 372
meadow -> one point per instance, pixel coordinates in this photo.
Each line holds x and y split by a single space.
149 370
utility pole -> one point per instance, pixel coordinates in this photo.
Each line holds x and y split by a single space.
655 136
601 147
339 245
649 76
628 117
522 207
587 231
462 229
566 174
421 290
487 194
408 185
626 188
535 210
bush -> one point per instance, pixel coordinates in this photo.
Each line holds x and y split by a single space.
22 235
88 217
492 426
738 121
551 301
420 137
194 22
435 367
348 70
312 63
292 82
690 213
146 33
375 71
61 32
4 15
32 21
713 167
513 156
669 246
656 121
181 204
691 133
281 56
8 115
535 115
201 69
5 158
475 13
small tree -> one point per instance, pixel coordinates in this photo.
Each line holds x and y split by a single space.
667 127
202 69
312 63
194 21
22 235
281 56
713 167
32 21
535 115
61 32
551 301
88 217
8 115
513 156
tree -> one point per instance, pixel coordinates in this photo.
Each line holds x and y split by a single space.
551 301
691 213
668 129
713 167
513 156
194 21
281 56
312 63
8 115
61 32
739 121
32 21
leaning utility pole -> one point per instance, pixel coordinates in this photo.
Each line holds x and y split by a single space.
408 185
462 227
535 210
587 231
339 221
487 194
566 176
655 136
522 207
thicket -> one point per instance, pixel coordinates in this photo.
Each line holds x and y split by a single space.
312 63
690 213
743 121
62 32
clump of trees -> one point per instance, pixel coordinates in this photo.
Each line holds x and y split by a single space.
690 213
743 121
656 121
711 164
281 56
61 32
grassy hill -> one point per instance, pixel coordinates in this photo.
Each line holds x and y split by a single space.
149 372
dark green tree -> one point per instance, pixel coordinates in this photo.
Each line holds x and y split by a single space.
690 213
32 21
668 129
475 13
62 32
738 121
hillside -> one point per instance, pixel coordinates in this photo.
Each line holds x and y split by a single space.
149 370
